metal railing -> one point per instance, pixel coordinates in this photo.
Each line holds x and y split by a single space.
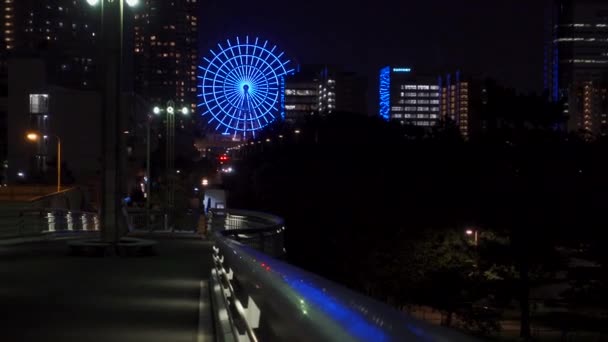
257 297
32 222
136 219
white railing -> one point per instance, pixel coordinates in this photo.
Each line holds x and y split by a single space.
32 222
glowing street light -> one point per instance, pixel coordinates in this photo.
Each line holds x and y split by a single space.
34 137
204 182
131 3
170 109
474 233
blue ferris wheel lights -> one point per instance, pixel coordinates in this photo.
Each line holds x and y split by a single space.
242 86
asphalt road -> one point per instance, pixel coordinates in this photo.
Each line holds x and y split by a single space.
47 295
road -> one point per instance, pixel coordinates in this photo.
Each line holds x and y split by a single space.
46 295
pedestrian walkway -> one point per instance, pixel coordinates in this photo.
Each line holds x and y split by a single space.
47 295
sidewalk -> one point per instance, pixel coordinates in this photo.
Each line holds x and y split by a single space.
47 295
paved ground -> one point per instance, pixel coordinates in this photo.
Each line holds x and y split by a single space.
46 295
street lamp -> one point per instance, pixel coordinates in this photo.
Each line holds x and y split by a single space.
35 137
131 3
170 146
112 14
475 234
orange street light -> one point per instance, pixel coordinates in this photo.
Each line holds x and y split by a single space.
34 137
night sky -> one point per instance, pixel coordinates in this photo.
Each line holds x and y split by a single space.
502 39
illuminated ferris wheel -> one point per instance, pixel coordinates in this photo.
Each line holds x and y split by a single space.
241 87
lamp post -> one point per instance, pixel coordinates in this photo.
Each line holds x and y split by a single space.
475 234
35 137
113 140
170 110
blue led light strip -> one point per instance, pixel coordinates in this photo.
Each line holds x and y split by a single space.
385 93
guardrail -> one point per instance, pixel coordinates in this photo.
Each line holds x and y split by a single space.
257 297
32 222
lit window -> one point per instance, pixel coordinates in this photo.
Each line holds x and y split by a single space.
39 103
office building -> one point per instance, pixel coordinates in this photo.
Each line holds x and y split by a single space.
342 91
455 104
166 51
323 90
577 59
409 98
462 100
302 94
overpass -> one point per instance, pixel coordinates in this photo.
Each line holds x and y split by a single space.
234 287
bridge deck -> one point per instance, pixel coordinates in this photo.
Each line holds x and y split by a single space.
46 295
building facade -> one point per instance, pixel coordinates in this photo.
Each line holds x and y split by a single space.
35 105
577 58
322 90
342 91
462 102
455 102
302 93
63 32
409 98
44 43
166 51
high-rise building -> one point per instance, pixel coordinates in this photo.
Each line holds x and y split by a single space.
166 50
302 94
462 100
342 91
409 98
63 32
321 89
578 62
